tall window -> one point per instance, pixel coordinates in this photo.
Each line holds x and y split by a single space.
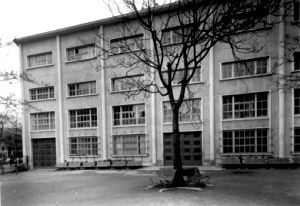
190 111
126 44
296 61
83 146
125 83
42 121
83 88
245 68
129 114
245 141
180 74
297 101
245 105
39 60
81 53
296 10
297 139
42 93
132 144
83 118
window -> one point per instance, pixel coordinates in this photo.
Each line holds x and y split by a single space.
297 101
132 144
297 140
42 121
245 68
39 60
245 141
83 118
127 44
125 83
179 75
83 146
42 93
296 10
175 35
81 53
245 105
296 61
189 111
129 114
83 88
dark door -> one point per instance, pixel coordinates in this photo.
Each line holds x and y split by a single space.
191 148
44 153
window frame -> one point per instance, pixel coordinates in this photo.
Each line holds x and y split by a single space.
141 145
49 61
234 64
35 117
296 144
296 98
90 118
76 59
139 76
49 93
119 41
200 73
137 115
77 84
86 146
296 10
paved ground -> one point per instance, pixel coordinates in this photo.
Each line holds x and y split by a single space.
47 187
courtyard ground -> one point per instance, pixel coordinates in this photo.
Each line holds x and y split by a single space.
111 187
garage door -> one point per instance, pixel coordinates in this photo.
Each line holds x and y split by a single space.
191 148
44 153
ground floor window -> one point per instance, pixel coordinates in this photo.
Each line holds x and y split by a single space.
297 140
245 141
132 144
83 146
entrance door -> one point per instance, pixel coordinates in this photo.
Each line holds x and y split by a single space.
44 153
191 148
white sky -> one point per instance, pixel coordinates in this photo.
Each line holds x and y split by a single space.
19 18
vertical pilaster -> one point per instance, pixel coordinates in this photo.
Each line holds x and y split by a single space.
211 106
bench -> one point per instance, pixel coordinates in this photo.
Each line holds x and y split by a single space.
118 164
102 165
133 164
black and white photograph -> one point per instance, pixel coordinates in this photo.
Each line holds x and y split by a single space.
150 102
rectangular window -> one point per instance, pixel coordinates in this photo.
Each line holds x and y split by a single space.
39 60
245 105
128 83
42 93
190 111
179 75
83 118
297 101
175 35
42 121
129 114
83 146
126 44
81 53
297 139
83 88
245 141
296 61
132 144
296 10
245 68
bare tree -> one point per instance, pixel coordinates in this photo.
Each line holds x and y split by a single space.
178 36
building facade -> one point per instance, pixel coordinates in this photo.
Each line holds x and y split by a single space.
77 109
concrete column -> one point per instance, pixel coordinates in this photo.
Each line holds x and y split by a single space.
211 106
281 93
60 101
102 96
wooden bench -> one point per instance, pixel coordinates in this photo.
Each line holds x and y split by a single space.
102 165
88 165
131 164
118 164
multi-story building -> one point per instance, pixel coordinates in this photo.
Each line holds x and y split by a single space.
77 111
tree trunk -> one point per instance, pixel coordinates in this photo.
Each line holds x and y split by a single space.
178 179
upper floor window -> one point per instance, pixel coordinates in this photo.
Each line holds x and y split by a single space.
126 44
128 83
297 101
132 144
189 111
81 53
42 93
296 10
42 121
179 75
39 60
245 68
83 88
83 146
175 35
245 105
297 139
83 118
129 114
296 61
